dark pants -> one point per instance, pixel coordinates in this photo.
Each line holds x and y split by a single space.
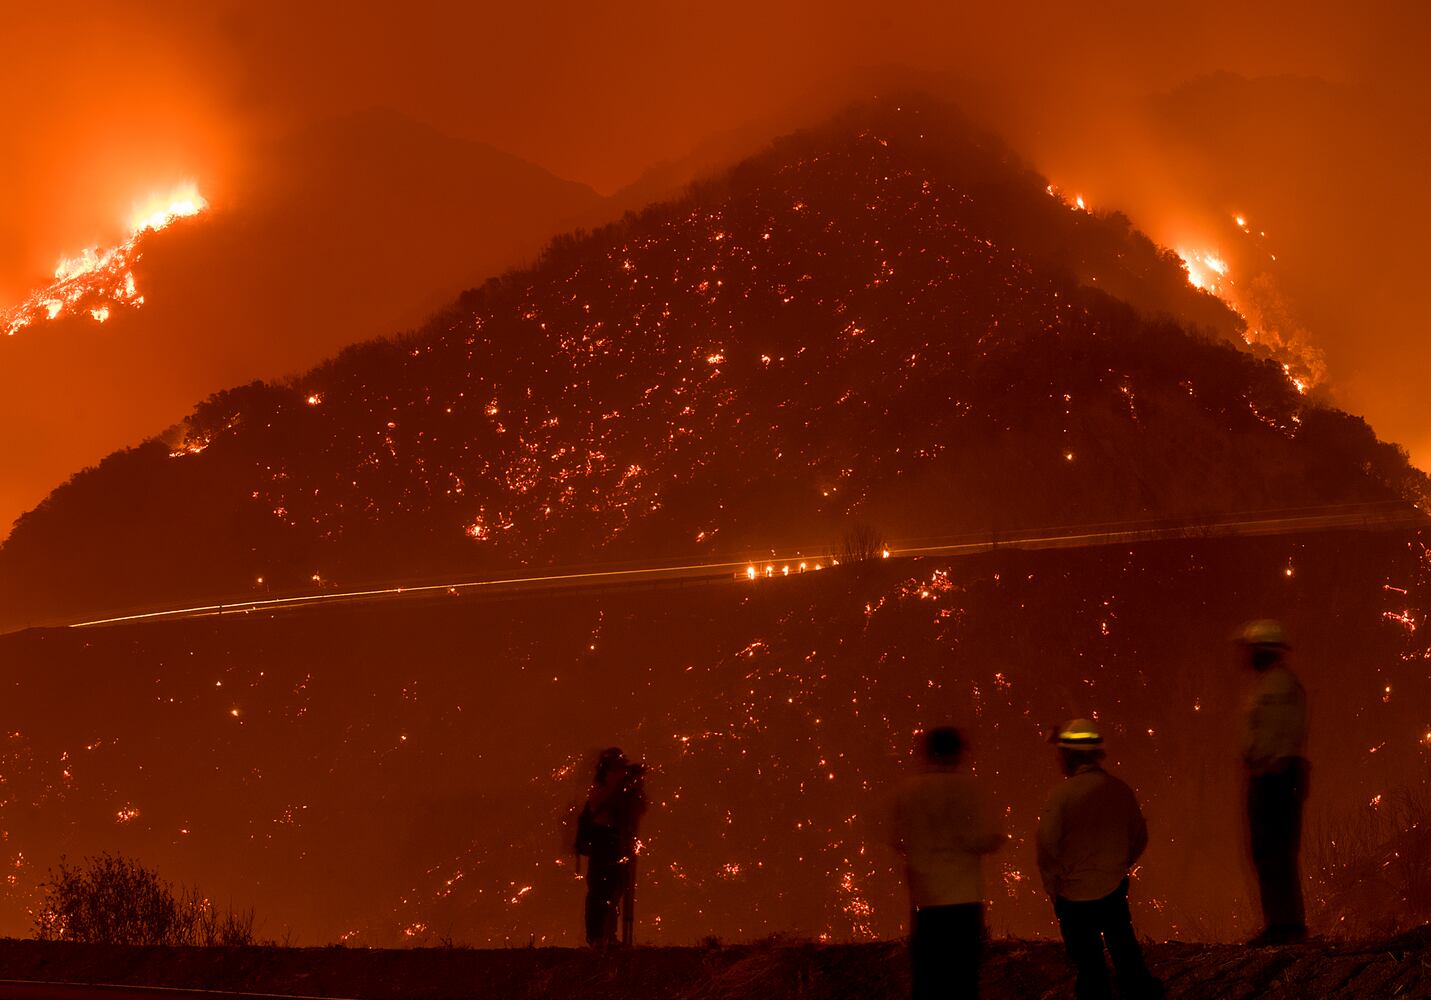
1274 820
1088 925
607 875
944 947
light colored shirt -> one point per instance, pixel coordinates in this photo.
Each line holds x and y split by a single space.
942 826
1275 721
1090 834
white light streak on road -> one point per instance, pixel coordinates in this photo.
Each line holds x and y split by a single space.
1255 523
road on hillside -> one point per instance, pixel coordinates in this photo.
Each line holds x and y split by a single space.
1365 517
11 989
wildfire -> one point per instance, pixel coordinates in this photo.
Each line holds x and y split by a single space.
1209 271
1076 202
96 281
158 211
1206 269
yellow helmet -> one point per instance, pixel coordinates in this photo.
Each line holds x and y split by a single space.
1263 632
1079 734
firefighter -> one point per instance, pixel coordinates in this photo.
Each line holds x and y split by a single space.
943 825
1089 836
1273 746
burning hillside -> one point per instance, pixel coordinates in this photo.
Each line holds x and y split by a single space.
885 319
99 280
338 231
1244 283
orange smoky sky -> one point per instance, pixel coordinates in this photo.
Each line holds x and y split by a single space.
104 102
102 97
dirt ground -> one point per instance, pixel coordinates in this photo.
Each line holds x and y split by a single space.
1014 970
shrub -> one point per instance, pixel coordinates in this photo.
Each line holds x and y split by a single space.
116 900
862 543
1371 867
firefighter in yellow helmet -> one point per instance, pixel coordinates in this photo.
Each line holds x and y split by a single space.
1089 836
1273 747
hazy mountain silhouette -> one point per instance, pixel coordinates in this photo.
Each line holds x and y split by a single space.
887 318
348 230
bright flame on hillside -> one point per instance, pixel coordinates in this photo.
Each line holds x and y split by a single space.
1268 330
158 211
94 281
1206 269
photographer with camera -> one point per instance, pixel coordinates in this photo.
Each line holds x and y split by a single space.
606 836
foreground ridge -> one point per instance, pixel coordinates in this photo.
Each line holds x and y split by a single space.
1398 967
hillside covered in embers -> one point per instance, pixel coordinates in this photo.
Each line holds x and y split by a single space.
409 773
886 319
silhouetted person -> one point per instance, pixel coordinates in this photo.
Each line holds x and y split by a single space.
943 826
1274 738
1090 834
606 834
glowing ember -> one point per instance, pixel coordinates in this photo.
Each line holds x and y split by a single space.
96 281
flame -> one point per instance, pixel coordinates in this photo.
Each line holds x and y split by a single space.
1206 270
1076 202
95 280
157 211
1209 271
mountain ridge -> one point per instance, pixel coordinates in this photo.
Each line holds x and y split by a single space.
347 230
868 318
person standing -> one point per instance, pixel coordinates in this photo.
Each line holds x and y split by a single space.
1089 836
1273 747
606 835
943 826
